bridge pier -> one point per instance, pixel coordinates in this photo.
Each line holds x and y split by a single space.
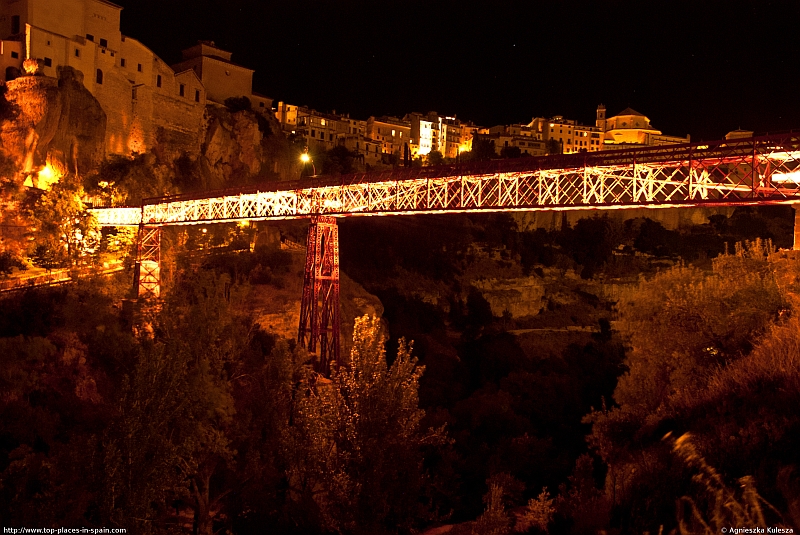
147 270
796 246
319 309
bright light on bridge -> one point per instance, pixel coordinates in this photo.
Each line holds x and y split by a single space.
782 178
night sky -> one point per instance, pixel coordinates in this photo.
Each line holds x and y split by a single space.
702 67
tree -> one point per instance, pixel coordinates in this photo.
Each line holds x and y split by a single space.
434 158
64 230
554 147
8 262
338 161
687 328
8 110
482 149
510 152
235 104
362 440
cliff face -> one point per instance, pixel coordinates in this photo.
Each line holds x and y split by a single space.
59 123
62 125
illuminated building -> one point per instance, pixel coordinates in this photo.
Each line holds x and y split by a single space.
566 134
221 77
138 91
392 133
505 137
630 127
739 134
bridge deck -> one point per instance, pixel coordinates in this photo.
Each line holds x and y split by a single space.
762 170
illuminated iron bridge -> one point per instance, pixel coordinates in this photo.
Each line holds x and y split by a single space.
754 171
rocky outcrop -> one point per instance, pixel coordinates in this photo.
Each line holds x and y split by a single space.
237 145
520 297
670 218
60 123
277 307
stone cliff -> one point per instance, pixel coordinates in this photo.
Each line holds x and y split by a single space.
59 123
62 128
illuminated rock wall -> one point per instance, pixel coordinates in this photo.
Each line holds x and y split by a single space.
60 123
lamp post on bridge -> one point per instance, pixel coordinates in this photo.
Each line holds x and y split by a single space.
306 158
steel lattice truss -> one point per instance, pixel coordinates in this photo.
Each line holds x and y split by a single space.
762 170
147 274
319 309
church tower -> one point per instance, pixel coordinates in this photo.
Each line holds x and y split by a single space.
601 118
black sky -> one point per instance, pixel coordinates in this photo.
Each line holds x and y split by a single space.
703 67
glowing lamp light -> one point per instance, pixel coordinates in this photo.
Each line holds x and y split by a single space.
305 158
782 178
47 176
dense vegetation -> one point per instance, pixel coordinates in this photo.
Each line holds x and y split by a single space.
191 418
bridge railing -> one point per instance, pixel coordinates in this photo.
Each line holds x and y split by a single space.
725 171
707 150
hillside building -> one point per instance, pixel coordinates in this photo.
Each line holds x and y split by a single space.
631 128
392 133
566 134
144 98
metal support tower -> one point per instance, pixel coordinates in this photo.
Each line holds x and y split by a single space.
147 273
319 309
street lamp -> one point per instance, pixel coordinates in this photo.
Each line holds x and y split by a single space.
306 158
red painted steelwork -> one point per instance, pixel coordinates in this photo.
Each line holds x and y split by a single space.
319 309
147 274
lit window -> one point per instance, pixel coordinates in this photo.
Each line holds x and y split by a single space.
323 122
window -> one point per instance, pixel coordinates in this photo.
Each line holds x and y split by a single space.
121 62
158 80
99 76
15 24
197 95
14 54
77 52
48 62
139 68
48 43
104 43
182 90
89 37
